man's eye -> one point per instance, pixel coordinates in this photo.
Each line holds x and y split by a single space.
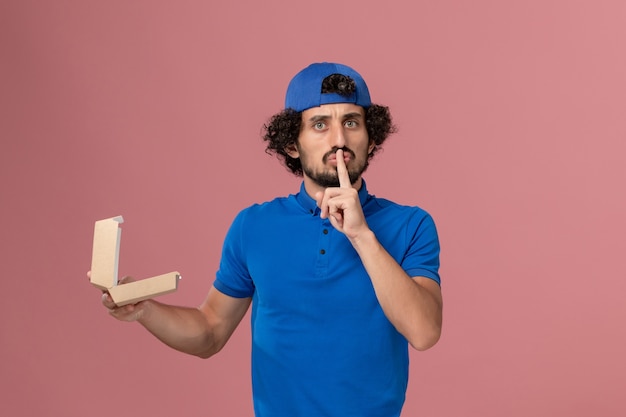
351 123
319 125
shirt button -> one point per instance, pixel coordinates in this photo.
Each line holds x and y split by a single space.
322 251
325 231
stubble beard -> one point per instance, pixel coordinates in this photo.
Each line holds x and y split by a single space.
330 178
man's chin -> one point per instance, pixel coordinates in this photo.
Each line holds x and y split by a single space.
326 181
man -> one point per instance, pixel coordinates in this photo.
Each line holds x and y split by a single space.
340 281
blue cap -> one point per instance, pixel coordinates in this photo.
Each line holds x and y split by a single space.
305 89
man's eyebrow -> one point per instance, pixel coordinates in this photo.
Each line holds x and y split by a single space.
319 117
353 115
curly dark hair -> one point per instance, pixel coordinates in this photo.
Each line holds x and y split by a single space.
282 130
338 83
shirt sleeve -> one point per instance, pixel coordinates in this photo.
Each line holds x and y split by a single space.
232 277
422 256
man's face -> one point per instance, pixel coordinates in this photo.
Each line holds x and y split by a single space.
325 129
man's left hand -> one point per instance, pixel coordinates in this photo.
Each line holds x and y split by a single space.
341 204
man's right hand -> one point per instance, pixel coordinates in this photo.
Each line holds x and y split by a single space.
129 312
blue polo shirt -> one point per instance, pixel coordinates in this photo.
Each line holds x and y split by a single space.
321 344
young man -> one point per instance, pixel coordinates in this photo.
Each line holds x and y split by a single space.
340 281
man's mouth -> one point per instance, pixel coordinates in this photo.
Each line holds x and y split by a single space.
331 157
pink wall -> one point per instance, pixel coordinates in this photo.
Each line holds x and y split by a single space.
512 134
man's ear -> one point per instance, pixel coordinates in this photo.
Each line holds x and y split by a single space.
371 147
292 150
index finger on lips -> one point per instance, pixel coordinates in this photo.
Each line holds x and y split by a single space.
342 171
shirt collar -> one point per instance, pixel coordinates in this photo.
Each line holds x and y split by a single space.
310 205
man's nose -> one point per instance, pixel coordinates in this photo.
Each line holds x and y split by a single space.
338 138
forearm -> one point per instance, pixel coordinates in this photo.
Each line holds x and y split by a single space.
413 308
199 331
182 328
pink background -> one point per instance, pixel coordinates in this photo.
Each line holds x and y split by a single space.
512 135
